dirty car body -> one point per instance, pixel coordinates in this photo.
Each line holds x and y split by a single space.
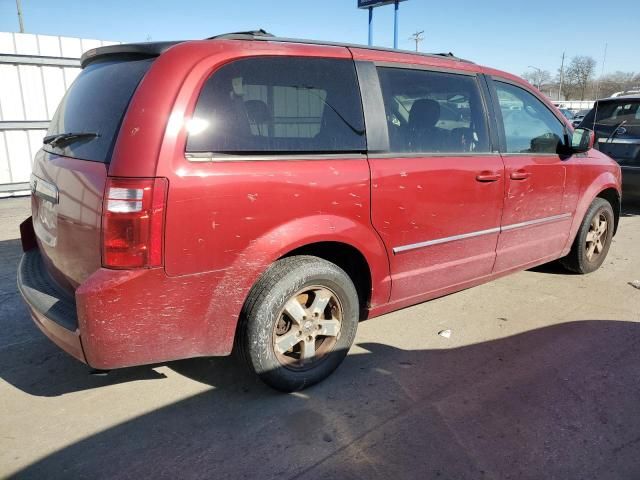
146 240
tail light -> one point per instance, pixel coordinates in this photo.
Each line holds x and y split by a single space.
133 222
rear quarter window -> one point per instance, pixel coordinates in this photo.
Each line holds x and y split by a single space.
96 103
279 105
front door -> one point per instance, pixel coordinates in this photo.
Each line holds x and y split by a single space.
436 197
536 221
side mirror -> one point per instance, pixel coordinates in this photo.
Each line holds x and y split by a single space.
582 140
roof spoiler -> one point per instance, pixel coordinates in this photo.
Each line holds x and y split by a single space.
133 50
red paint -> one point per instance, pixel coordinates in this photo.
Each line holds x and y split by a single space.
226 222
74 221
427 198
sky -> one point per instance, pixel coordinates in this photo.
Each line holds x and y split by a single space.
510 35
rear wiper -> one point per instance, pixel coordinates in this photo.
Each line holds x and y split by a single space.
615 131
63 138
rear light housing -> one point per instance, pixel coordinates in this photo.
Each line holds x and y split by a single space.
133 222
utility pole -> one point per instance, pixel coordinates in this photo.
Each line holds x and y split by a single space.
19 7
417 37
561 77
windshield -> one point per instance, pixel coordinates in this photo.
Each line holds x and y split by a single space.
93 108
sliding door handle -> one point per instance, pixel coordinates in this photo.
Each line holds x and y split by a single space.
520 175
488 176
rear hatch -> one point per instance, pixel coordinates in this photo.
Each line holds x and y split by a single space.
70 171
616 123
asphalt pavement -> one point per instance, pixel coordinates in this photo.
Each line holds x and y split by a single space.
539 378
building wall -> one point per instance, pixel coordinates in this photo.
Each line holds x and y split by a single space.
35 72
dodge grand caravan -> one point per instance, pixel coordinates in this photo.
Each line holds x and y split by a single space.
263 195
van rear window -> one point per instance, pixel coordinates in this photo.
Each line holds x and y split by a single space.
279 105
612 113
96 103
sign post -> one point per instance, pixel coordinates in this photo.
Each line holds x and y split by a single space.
370 5
395 25
370 26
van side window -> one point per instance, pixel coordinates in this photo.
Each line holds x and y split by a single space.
279 105
529 126
433 112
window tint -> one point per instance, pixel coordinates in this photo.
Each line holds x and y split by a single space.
279 104
529 125
96 103
432 112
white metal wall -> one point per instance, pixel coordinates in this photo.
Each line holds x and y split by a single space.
575 104
35 71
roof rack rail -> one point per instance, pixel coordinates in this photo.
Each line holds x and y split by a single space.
449 54
263 35
249 34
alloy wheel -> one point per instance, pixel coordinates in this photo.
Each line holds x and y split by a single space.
596 236
308 327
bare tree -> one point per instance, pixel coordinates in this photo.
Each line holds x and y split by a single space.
579 75
538 78
618 82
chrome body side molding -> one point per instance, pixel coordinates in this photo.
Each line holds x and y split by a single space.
438 241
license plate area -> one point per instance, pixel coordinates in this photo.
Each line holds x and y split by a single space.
45 217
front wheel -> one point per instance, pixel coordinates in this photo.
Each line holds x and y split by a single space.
299 322
593 239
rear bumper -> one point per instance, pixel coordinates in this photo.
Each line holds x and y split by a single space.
122 318
52 310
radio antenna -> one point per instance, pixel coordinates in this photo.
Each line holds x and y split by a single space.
595 114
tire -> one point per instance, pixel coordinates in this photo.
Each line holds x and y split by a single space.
307 304
585 255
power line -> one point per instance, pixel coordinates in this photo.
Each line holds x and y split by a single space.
417 37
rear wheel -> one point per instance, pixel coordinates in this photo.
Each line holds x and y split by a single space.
299 322
593 239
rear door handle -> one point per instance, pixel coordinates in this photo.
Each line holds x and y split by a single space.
520 175
488 176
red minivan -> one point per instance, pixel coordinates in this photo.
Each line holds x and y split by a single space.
260 194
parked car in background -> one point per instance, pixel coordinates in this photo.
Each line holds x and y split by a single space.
567 113
578 116
263 195
616 122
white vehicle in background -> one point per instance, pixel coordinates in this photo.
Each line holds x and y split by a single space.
634 91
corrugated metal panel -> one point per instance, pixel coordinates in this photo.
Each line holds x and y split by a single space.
30 90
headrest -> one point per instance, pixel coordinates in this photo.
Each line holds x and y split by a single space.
424 113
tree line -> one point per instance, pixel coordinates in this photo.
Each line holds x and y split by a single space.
579 81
